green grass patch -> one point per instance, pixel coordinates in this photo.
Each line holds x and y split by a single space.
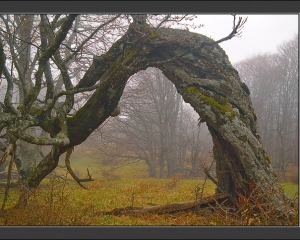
290 189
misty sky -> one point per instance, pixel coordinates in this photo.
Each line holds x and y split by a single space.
261 33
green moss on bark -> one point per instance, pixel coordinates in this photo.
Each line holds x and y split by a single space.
222 105
153 35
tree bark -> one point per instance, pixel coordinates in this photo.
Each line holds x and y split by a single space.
152 167
2 58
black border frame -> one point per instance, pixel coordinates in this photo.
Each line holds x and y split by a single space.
145 232
148 232
208 7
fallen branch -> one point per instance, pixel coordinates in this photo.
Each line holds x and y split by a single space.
170 208
68 165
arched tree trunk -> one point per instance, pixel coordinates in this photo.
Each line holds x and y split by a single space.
205 78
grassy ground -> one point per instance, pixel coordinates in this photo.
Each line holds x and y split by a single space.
63 202
291 189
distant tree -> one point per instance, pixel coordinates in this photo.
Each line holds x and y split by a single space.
287 94
273 83
154 126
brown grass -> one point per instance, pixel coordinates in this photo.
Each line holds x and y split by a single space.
61 202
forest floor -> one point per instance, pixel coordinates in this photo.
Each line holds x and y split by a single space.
60 201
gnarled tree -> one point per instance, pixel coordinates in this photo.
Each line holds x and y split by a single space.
196 64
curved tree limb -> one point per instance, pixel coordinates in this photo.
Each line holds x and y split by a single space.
68 165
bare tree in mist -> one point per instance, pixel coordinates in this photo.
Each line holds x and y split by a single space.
273 83
155 126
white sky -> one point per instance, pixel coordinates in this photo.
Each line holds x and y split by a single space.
261 33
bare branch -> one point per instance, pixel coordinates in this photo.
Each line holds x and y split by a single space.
9 92
6 153
68 165
8 179
163 21
60 140
10 34
49 51
90 37
235 32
